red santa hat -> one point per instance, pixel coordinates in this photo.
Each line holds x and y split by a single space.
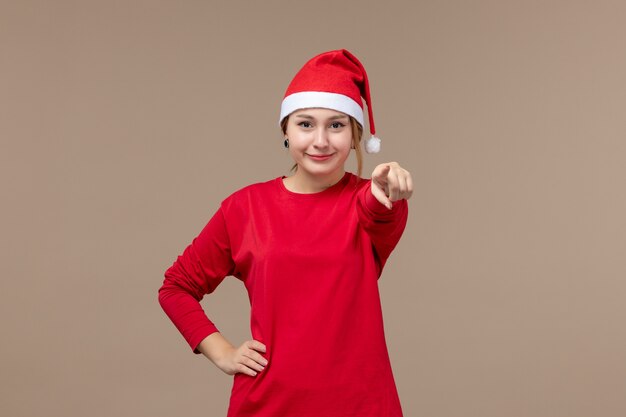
333 80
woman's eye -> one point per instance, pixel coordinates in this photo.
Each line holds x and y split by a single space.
305 124
337 125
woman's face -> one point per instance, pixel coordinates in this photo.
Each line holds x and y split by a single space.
319 141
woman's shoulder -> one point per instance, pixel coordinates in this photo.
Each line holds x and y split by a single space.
358 184
255 190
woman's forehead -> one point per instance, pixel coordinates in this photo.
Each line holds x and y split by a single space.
319 113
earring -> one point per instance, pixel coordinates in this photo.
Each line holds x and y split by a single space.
286 142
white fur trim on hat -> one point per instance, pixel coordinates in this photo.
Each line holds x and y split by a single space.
311 99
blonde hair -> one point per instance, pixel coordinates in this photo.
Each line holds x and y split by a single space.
357 135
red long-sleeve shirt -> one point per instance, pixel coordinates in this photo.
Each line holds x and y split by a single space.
310 264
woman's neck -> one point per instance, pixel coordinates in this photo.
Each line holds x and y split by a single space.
302 183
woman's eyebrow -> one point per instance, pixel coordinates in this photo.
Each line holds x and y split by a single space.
306 116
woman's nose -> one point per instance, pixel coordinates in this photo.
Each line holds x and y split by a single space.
321 138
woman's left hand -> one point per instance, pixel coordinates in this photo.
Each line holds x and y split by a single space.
391 182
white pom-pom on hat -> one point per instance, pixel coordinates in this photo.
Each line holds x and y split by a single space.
333 80
372 144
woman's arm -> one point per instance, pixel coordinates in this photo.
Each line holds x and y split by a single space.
382 208
198 271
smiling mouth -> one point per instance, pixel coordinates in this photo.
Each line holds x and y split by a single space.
320 156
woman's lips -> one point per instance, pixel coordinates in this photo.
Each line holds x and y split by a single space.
319 157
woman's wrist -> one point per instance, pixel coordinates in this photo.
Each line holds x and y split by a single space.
215 346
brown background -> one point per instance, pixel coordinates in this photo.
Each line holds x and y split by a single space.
125 123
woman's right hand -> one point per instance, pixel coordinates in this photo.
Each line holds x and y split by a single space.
245 359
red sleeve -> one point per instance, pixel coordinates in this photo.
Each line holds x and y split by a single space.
198 271
384 226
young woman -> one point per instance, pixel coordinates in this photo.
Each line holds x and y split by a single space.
309 249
